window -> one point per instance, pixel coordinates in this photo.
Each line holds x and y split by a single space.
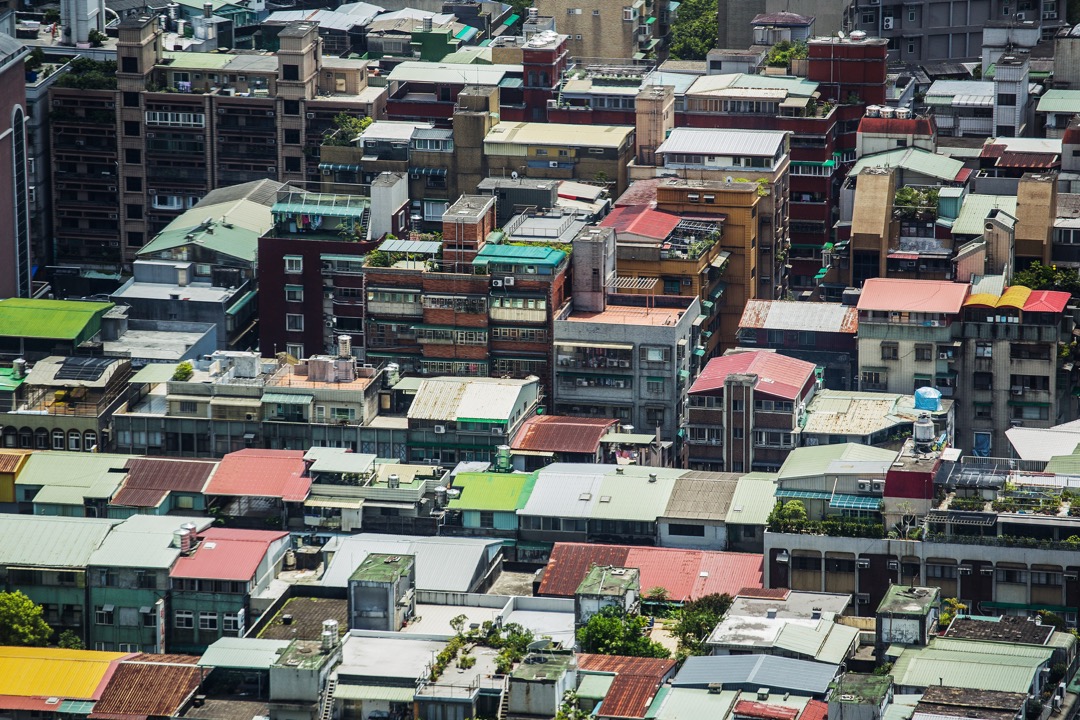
292 164
74 440
188 406
924 353
294 264
134 212
983 380
291 107
737 433
103 615
295 349
487 519
911 16
1010 576
911 48
654 386
207 621
292 137
686 530
184 619
58 440
132 128
736 405
890 351
629 14
294 293
1006 99
294 322
984 349
133 184
131 99
230 624
290 72
133 157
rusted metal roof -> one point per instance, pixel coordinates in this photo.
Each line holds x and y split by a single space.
150 480
778 375
685 574
149 685
635 684
764 711
561 433
10 460
653 667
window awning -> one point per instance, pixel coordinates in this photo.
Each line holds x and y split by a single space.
601 346
803 494
241 303
375 692
335 502
339 167
903 256
721 259
699 351
854 502
512 19
235 401
428 171
283 399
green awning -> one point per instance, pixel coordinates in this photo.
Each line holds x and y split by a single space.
639 56
803 494
242 303
523 545
921 376
512 19
283 399
650 21
821 273
707 304
682 432
718 292
375 692
699 351
76 707
684 374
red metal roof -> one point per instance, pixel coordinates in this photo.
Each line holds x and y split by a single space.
778 375
561 433
1041 161
635 684
226 554
150 480
677 571
815 710
641 221
1053 301
903 295
653 667
154 687
897 126
10 460
749 708
640 192
261 473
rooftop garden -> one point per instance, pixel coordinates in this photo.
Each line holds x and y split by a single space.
1027 500
86 74
345 130
914 204
790 517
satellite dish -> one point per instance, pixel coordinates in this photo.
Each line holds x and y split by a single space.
729 179
514 175
538 644
840 34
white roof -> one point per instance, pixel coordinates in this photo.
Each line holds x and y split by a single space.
567 490
1041 444
450 398
442 563
427 72
952 88
1029 145
144 541
702 141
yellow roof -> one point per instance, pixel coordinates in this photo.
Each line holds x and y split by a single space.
1014 297
987 299
53 672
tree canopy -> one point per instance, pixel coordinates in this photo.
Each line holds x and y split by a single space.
1048 277
696 621
694 30
21 621
614 632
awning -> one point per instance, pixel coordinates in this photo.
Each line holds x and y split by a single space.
699 351
512 19
154 373
684 374
76 707
283 399
374 692
236 401
854 502
903 256
241 303
335 502
803 494
601 346
651 20
428 171
389 504
721 259
533 453
339 167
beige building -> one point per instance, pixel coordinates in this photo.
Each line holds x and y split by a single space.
604 29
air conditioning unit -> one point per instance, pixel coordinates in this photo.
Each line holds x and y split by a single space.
887 23
943 356
508 281
986 571
1050 16
251 416
1017 423
863 598
894 564
311 116
269 113
271 168
221 111
687 281
496 283
440 429
964 569
496 431
552 104
862 563
112 188
624 363
1017 390
112 216
553 163
327 172
270 140
1021 17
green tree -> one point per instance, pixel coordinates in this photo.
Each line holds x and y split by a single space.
614 632
458 623
951 608
571 708
782 53
696 621
21 621
694 30
184 371
348 127
788 516
70 640
1048 277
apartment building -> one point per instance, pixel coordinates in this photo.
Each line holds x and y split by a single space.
14 185
987 108
598 29
129 159
744 411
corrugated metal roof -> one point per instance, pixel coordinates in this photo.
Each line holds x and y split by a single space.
778 375
560 491
913 159
630 695
53 672
1052 301
561 433
12 460
68 478
227 554
261 473
685 574
154 373
448 398
813 461
693 703
754 499
922 296
243 653
50 319
442 563
642 221
50 541
144 541
634 495
501 492
801 316
969 664
149 480
699 498
767 671
594 686
765 711
563 135
1043 444
155 686
974 211
699 141
349 691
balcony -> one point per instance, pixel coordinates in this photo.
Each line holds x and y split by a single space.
395 309
518 315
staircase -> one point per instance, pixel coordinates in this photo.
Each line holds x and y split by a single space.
504 703
328 700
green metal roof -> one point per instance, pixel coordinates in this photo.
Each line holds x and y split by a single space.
8 381
154 373
243 653
50 540
51 319
195 61
815 460
682 703
501 492
286 399
912 159
753 500
67 478
632 495
594 686
970 664
235 242
519 255
374 692
975 209
1060 101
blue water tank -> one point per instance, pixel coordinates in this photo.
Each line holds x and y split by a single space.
928 398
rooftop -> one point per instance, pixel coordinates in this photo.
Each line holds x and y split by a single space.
753 500
261 473
777 375
228 554
630 315
382 568
150 480
442 563
943 700
144 541
802 316
815 461
476 399
921 296
394 660
609 581
69 478
801 677
519 255
499 492
862 689
528 133
68 320
562 434
739 143
915 160
971 664
243 653
849 412
1006 628
306 616
150 685
51 540
544 666
976 208
40 673
701 496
